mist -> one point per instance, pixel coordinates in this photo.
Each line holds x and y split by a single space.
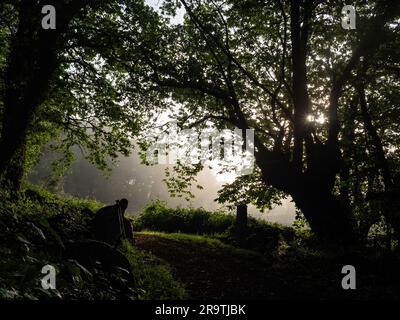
141 184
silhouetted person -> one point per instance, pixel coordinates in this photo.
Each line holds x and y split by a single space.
111 226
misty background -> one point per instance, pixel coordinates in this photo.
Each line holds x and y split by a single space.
140 184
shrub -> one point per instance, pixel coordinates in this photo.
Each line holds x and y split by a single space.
156 216
260 235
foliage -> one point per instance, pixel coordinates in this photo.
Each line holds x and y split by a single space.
158 217
90 101
226 66
35 227
153 276
250 189
260 235
323 108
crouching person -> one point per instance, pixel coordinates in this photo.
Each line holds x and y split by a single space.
111 226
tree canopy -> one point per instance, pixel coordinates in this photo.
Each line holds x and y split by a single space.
321 99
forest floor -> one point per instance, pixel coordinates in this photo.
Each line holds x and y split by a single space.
41 228
210 269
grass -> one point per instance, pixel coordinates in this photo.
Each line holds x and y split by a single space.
271 263
260 235
208 268
204 240
201 240
153 276
211 269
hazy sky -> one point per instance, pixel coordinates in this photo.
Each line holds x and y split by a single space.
157 3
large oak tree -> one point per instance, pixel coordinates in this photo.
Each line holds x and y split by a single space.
287 69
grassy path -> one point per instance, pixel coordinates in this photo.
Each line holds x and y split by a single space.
210 269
